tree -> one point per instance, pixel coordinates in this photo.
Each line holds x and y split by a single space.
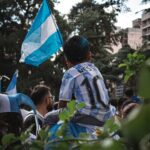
90 19
16 17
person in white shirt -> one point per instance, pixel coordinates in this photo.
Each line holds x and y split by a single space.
84 83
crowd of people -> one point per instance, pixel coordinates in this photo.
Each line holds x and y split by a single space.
82 82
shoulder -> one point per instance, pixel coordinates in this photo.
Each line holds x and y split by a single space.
29 118
71 73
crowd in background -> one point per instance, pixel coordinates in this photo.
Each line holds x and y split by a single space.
76 84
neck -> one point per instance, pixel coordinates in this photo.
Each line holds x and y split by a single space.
42 110
74 64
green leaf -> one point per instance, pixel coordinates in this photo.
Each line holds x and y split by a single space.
24 136
64 115
148 62
37 145
109 144
71 106
144 143
144 82
130 56
9 139
122 65
110 126
126 78
43 134
81 105
135 129
61 132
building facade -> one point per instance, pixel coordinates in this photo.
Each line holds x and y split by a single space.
145 21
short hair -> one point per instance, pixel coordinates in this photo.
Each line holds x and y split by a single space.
129 92
76 49
38 93
127 107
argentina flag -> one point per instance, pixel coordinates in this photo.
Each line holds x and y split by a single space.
12 103
11 89
43 39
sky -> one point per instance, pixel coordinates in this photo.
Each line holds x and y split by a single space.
124 19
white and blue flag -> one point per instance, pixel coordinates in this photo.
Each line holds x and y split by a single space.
43 39
11 89
11 103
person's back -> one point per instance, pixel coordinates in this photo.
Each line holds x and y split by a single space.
29 121
84 81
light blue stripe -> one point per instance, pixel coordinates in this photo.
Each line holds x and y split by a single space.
42 15
52 45
14 107
12 84
17 99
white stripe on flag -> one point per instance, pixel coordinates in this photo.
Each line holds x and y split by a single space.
12 91
4 103
46 29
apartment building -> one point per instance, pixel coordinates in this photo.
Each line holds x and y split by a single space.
145 25
132 37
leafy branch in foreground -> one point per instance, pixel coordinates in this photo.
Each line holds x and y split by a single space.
132 65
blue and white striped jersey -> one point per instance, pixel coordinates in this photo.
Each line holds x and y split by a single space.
85 82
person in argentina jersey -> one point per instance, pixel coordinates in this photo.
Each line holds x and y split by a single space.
84 81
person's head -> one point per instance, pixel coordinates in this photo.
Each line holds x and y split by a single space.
127 107
129 92
42 97
77 50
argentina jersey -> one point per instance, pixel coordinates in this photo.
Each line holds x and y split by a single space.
86 84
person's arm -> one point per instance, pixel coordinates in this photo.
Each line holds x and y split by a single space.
62 104
66 90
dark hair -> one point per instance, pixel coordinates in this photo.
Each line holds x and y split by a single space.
76 49
127 107
38 93
129 92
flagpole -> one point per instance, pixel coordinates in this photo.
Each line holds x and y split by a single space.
54 20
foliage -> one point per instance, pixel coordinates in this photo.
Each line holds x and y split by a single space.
132 65
144 80
138 121
16 17
122 54
71 110
130 138
99 29
64 141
